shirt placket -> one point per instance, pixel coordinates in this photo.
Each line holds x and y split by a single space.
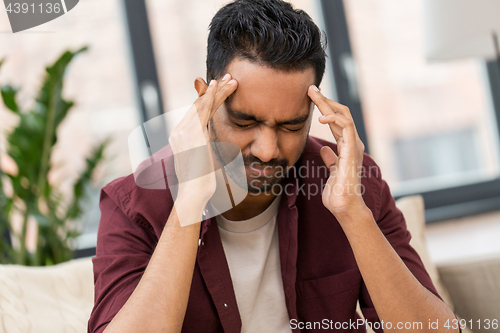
215 271
287 234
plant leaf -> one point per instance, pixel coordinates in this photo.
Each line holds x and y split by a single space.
26 142
79 194
9 98
30 145
8 94
7 254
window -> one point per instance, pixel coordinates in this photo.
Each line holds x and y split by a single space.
445 112
99 81
432 127
432 118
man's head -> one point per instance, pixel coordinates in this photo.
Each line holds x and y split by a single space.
275 53
268 32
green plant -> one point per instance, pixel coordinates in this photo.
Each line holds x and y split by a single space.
30 145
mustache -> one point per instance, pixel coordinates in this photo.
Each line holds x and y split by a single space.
275 162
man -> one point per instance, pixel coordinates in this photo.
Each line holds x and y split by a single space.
280 260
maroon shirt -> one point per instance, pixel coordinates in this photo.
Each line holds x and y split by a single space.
321 279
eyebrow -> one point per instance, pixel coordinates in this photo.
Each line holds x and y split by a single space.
239 115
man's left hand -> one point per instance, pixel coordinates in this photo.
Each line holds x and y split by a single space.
342 194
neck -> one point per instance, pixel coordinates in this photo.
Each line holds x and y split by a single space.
251 206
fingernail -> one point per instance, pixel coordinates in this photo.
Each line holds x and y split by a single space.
212 82
315 88
225 77
231 82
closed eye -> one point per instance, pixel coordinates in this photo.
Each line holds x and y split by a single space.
243 125
292 130
287 129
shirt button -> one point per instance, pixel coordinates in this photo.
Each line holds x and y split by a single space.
225 304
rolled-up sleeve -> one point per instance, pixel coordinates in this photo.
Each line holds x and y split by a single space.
124 248
392 223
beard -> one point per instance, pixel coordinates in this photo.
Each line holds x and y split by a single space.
264 183
255 183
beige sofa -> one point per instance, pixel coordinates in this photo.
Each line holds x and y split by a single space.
46 299
60 298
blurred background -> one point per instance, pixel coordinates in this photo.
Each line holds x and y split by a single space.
432 124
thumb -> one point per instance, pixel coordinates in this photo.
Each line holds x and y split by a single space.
328 156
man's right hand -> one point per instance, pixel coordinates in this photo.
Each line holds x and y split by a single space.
193 158
160 299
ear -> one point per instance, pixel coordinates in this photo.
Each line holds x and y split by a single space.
201 86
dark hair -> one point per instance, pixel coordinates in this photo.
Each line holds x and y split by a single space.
269 32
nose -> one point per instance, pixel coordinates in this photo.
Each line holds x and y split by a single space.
265 144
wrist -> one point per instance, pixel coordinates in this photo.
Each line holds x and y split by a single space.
198 191
189 209
354 215
358 224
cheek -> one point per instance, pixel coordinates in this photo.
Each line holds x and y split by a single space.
220 127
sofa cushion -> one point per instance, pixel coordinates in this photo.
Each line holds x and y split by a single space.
474 288
413 210
46 299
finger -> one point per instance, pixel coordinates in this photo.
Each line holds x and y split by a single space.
339 118
336 108
328 109
337 123
225 88
346 113
347 129
328 105
207 102
339 108
325 105
320 101
334 118
221 85
328 156
338 133
223 82
222 95
334 127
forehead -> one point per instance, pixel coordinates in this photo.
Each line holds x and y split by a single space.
267 93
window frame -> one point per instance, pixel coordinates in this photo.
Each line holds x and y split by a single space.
145 74
142 57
